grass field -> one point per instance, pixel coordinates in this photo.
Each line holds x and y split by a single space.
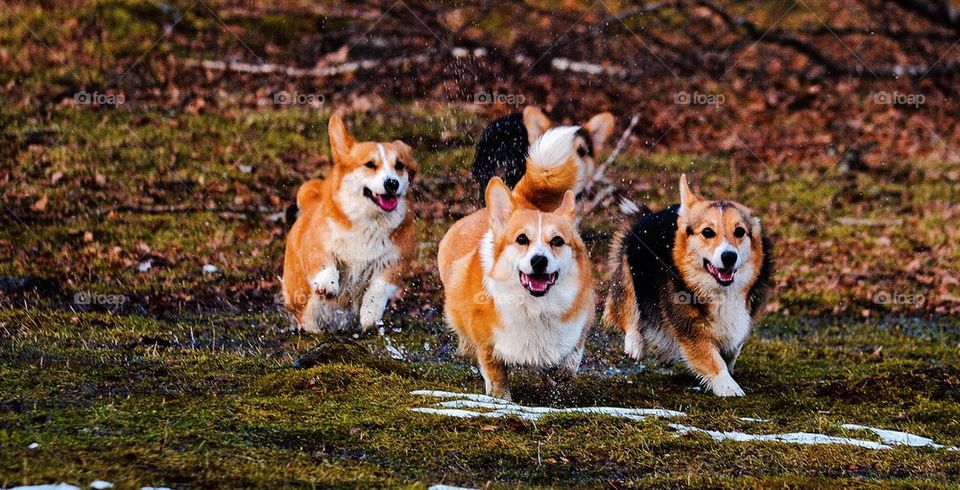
173 376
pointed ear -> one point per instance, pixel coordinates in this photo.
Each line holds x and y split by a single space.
687 197
600 127
568 208
499 204
406 156
340 141
536 123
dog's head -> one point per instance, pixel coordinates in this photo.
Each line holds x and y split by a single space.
532 250
719 243
589 139
374 177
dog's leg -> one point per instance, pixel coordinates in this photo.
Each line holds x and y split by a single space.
496 377
375 299
568 367
703 358
732 360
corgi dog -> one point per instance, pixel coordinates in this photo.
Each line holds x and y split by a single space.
353 235
503 146
686 284
518 283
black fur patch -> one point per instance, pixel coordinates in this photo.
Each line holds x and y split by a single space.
501 152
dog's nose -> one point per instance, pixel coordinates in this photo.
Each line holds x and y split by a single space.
728 259
539 263
391 185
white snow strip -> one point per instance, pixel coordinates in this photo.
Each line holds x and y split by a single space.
448 487
48 486
751 419
101 485
502 408
791 438
465 396
896 437
155 488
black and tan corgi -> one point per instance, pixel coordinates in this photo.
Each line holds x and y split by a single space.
502 149
686 284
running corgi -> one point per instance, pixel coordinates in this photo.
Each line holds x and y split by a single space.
687 282
517 280
346 249
503 146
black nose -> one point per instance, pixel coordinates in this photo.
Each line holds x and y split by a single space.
391 185
728 259
539 263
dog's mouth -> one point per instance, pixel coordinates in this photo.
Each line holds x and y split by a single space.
724 276
386 202
538 284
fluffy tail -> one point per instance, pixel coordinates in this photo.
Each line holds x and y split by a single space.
551 169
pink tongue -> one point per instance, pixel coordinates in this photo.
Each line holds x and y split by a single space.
388 203
726 276
539 284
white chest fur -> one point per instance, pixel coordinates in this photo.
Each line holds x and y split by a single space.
365 248
731 319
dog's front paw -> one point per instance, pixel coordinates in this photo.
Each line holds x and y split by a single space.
724 385
327 282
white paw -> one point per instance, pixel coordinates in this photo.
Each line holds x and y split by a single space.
369 317
375 301
327 282
724 385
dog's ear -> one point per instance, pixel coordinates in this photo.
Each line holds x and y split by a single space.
340 141
600 127
687 197
536 123
405 155
568 208
499 203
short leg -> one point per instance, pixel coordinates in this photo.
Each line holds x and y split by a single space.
496 377
732 359
326 281
375 300
703 358
568 367
633 343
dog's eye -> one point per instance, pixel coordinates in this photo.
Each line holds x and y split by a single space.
557 242
708 233
370 164
582 152
739 232
399 166
523 240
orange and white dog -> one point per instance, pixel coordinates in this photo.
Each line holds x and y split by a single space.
346 250
517 279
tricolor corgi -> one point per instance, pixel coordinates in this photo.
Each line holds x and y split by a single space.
354 233
503 146
517 280
686 284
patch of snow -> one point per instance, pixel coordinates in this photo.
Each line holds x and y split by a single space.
155 488
210 269
145 266
33 445
751 419
48 486
791 438
101 485
448 487
501 408
895 437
